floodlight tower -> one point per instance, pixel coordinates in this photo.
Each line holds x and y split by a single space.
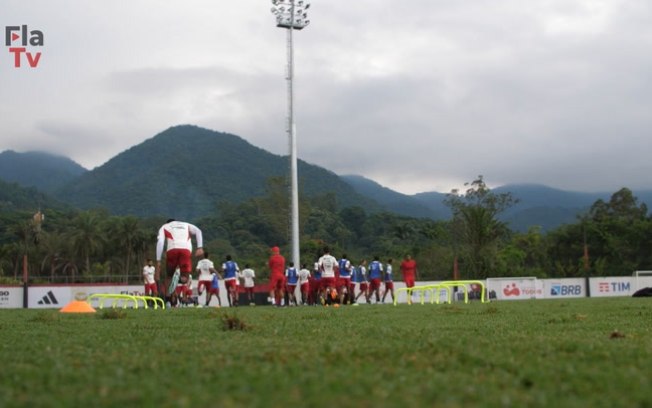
291 15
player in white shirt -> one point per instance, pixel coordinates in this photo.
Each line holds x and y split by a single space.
149 272
328 267
248 276
207 274
176 235
304 283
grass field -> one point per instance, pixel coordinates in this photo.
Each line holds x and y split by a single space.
584 352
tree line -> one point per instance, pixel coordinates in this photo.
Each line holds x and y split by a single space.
612 238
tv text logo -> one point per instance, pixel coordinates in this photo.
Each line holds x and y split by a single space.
18 39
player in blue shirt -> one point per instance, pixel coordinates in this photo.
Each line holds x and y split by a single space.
375 276
230 272
389 281
292 278
344 284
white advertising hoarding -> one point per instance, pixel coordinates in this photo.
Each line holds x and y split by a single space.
11 297
612 286
564 288
57 296
515 288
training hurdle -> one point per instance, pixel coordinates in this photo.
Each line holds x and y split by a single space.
101 297
447 286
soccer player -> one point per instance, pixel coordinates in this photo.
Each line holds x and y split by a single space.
177 236
389 282
248 275
328 267
304 284
230 270
215 290
360 277
375 275
409 272
292 278
345 279
149 271
276 265
315 284
183 291
207 273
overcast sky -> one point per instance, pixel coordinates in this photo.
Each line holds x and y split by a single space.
418 95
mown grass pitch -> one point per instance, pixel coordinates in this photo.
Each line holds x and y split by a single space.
584 352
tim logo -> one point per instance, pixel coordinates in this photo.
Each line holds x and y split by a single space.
18 39
48 299
605 287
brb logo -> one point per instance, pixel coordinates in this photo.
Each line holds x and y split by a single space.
566 290
18 38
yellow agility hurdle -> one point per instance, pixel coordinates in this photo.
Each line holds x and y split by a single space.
435 291
101 297
483 290
155 300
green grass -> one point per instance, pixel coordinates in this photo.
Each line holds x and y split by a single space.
585 352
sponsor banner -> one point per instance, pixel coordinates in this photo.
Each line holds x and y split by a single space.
11 297
515 288
612 286
564 288
48 297
56 297
642 280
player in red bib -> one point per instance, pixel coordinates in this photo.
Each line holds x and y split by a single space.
409 272
276 265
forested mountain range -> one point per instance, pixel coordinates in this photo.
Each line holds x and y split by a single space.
44 171
185 171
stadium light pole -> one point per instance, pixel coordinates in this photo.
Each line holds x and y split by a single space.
291 15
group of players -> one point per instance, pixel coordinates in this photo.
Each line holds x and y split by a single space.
334 281
331 281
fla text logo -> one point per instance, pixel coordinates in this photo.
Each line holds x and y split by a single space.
21 42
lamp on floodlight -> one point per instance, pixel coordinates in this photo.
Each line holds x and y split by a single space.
290 13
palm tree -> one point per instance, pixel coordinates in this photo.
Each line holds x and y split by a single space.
124 233
87 236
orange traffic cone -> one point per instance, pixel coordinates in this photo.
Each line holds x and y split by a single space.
77 306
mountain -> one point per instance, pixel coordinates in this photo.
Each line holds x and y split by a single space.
45 171
184 171
544 206
538 205
392 201
14 197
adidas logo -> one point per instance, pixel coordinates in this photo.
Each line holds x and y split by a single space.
48 299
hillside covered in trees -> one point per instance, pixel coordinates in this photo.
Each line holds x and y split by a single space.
83 245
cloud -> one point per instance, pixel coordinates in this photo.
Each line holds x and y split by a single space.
416 95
